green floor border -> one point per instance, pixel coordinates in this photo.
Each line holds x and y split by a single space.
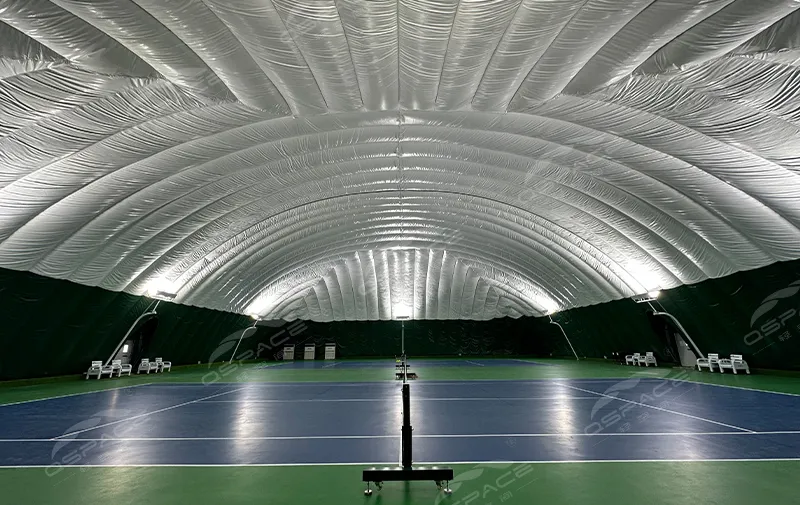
667 483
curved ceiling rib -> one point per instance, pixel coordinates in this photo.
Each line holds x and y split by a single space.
429 236
73 38
20 55
344 159
519 170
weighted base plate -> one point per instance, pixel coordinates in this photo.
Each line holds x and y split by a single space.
395 474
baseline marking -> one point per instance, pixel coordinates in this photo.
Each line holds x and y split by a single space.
74 394
454 399
427 463
376 437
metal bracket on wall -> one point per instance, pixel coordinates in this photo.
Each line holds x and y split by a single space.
550 317
680 327
147 313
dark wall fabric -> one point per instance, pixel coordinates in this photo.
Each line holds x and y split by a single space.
382 338
52 327
597 331
754 313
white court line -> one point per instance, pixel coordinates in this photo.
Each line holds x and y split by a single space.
378 437
206 439
273 384
473 363
425 463
738 387
659 408
144 415
416 399
74 394
419 383
667 378
330 365
528 361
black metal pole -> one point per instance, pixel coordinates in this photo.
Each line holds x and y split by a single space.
406 430
440 475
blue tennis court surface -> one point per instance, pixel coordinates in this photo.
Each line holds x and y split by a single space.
340 423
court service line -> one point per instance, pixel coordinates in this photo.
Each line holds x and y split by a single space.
416 399
378 437
659 408
74 394
376 383
473 363
144 415
426 463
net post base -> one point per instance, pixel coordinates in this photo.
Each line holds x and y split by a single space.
441 476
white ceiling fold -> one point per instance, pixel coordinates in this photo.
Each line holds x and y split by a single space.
357 160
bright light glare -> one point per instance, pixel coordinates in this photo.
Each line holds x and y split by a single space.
654 294
401 312
261 305
160 286
646 280
545 302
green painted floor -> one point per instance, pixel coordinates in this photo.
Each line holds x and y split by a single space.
709 483
544 483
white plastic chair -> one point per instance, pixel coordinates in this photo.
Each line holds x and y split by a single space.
99 370
95 369
629 359
120 368
635 358
163 365
709 362
647 359
147 366
735 362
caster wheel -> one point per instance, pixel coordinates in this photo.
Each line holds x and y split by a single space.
368 492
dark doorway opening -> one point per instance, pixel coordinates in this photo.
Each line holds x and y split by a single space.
140 338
